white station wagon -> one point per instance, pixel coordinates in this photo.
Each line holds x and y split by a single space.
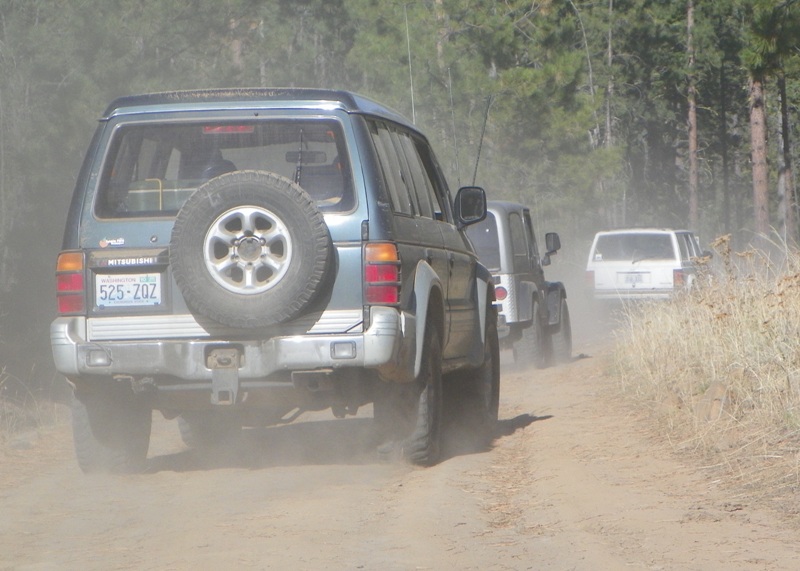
646 263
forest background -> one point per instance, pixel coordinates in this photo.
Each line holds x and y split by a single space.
595 114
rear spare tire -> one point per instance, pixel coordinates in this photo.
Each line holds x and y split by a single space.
249 249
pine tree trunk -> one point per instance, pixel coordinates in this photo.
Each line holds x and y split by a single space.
724 150
789 203
692 119
758 154
610 85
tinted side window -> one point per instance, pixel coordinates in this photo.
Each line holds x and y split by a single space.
399 192
433 173
534 247
685 247
691 245
486 242
518 242
422 184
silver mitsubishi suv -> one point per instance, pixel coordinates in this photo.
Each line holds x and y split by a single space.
233 258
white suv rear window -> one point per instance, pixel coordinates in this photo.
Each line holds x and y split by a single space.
633 247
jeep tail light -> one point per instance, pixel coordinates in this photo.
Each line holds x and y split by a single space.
70 287
590 278
381 273
500 293
678 278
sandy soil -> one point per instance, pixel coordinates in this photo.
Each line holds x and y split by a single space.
574 480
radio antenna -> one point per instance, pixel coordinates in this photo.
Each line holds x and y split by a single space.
480 143
410 75
453 116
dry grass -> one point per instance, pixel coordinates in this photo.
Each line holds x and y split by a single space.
720 366
23 410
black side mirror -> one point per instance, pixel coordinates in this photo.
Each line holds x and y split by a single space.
552 243
469 206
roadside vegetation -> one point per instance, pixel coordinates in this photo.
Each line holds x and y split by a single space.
720 368
594 114
24 410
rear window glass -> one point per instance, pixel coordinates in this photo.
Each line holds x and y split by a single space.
633 247
483 236
152 169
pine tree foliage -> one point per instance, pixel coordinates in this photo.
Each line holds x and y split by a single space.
576 108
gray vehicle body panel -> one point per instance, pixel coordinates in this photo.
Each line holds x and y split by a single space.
169 346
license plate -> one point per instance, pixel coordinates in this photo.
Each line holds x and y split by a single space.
127 290
634 278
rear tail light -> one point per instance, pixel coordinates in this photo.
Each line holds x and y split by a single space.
500 293
381 274
70 287
678 278
590 278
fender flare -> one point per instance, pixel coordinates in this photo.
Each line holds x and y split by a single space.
555 293
484 292
484 286
425 281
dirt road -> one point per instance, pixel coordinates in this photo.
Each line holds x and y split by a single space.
573 481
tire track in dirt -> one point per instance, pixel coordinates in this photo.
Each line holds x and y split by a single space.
587 486
574 480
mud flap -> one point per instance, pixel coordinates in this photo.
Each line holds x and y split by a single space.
224 365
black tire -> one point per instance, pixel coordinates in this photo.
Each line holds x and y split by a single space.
111 431
208 429
409 415
473 396
249 249
562 338
534 347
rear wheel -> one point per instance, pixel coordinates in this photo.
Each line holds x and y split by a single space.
533 348
474 395
111 430
409 415
562 339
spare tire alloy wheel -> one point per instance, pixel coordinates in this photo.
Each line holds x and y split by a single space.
249 249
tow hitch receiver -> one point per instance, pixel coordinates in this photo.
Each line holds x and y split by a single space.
224 365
